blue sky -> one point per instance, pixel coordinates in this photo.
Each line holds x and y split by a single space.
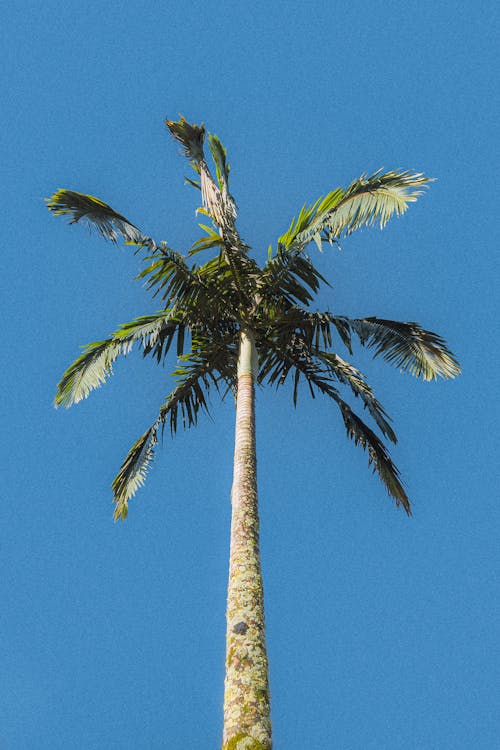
382 630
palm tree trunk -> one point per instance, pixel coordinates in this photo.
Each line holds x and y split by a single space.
247 723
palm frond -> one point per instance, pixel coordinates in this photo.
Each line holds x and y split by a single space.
190 137
304 337
277 359
378 456
216 200
345 373
207 291
96 213
367 200
205 366
218 203
222 166
276 366
133 470
407 346
92 368
210 240
193 183
290 277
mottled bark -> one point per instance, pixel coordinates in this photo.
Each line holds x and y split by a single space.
247 723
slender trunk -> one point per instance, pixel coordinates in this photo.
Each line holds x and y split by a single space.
247 723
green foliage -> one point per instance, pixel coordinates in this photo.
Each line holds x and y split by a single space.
367 200
95 364
407 346
96 213
205 307
222 167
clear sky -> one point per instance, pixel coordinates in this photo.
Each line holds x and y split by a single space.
382 630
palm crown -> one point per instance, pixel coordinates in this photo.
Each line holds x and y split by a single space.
205 307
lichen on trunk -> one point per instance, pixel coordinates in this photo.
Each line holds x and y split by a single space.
247 723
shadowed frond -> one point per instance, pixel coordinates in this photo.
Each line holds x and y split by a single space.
208 290
95 364
345 373
206 365
279 357
313 328
407 346
368 200
296 356
96 213
290 277
378 456
302 336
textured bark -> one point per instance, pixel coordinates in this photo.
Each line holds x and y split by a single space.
247 723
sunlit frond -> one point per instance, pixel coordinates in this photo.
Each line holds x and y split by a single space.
191 137
222 166
132 474
95 364
407 346
368 200
209 240
97 214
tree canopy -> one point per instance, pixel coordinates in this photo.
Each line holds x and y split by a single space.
204 306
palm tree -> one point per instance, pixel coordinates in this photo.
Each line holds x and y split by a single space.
236 323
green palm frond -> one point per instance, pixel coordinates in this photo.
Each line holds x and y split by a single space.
205 366
219 155
132 474
378 456
407 346
345 373
222 169
92 368
210 240
96 213
367 200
